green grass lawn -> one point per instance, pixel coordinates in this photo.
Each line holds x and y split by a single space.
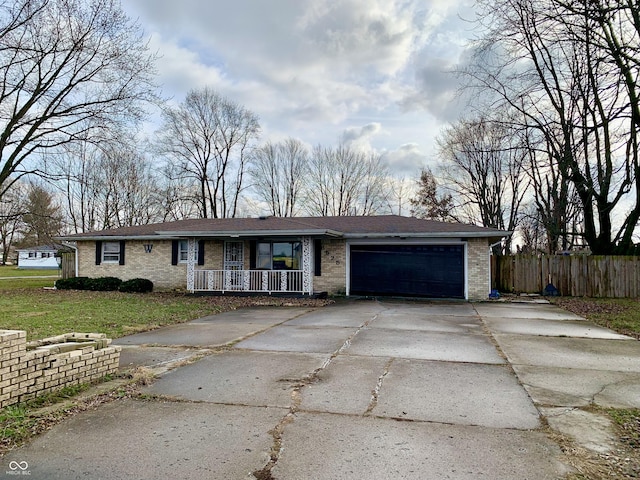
10 271
619 314
26 305
43 313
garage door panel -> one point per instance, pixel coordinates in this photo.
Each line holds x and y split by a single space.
416 270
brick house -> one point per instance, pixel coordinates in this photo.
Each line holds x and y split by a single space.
375 255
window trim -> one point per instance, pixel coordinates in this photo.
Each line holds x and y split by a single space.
116 256
185 251
270 243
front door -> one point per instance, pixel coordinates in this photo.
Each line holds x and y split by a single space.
233 265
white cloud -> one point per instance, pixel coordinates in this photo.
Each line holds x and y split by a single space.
371 71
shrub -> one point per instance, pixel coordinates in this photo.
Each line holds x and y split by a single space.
74 283
136 285
104 284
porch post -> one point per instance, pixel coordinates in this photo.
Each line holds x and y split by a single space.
191 264
307 275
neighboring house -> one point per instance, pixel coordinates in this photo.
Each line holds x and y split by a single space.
374 255
43 256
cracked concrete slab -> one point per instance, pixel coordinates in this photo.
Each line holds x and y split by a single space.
457 393
429 308
334 447
152 440
557 328
237 377
428 323
580 353
193 335
573 387
588 429
443 346
255 316
132 356
215 330
345 386
523 311
297 338
351 314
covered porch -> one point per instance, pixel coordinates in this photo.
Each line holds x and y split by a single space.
275 266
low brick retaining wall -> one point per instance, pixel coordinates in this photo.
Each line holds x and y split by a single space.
30 369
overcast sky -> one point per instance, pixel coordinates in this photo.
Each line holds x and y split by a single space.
372 72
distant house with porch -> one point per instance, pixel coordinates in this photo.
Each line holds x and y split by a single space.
368 255
41 257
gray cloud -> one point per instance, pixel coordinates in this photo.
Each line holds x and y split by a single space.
316 70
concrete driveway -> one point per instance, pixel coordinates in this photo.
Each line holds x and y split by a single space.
360 389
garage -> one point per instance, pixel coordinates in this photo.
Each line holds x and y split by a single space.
434 271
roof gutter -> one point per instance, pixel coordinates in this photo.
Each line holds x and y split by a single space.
254 233
89 238
498 234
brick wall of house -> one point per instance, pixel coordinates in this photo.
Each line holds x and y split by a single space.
155 266
333 268
478 268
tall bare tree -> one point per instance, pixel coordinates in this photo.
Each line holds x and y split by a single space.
570 68
208 137
345 181
278 171
107 184
483 165
63 62
11 211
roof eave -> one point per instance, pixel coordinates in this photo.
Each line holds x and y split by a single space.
254 233
496 234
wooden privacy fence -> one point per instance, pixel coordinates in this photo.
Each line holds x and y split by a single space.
68 264
577 276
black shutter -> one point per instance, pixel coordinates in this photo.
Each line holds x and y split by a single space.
98 252
252 255
174 252
122 243
200 252
317 257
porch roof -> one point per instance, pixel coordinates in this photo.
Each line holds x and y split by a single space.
382 226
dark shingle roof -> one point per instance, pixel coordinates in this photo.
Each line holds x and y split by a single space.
363 226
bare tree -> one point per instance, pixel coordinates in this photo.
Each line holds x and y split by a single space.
344 181
428 202
570 69
397 191
208 137
42 218
63 62
555 203
129 189
278 172
177 197
484 168
106 185
11 211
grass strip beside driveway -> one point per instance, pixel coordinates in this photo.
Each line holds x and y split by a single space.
44 313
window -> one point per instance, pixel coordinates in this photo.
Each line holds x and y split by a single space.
111 252
183 251
279 255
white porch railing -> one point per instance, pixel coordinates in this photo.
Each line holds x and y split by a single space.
267 281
